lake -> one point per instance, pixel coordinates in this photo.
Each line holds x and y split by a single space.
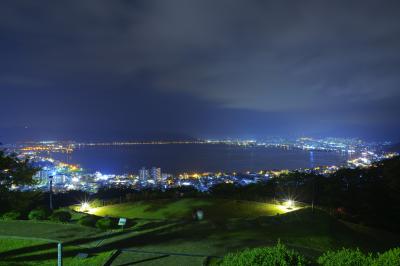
178 158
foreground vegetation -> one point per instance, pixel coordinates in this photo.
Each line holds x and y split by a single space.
281 255
148 241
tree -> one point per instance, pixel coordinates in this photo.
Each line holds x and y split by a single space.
13 172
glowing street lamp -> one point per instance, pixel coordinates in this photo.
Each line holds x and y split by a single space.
85 206
289 204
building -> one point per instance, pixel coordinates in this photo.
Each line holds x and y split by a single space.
143 175
155 174
42 176
60 179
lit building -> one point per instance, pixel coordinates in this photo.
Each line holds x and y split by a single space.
42 177
60 179
155 174
143 175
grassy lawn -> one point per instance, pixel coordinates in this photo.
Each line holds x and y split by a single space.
31 243
155 259
156 229
35 252
214 209
307 232
46 230
232 225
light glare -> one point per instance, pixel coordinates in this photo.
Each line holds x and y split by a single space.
85 206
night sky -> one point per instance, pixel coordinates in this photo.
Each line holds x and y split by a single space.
113 70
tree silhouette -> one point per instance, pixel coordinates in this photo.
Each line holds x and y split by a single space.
13 172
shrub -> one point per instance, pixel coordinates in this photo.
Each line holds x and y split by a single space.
348 257
104 223
96 203
38 214
61 216
88 220
12 215
390 257
266 256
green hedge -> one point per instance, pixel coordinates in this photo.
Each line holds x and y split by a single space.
105 223
39 214
280 255
390 257
266 256
12 215
345 256
61 216
88 220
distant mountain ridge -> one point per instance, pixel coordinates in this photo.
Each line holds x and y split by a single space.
163 136
139 137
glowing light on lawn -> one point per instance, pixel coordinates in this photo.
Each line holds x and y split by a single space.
289 203
85 206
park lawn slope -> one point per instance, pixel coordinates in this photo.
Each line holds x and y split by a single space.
35 243
19 252
161 226
46 230
214 209
309 232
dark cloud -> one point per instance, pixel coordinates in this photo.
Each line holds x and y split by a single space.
116 69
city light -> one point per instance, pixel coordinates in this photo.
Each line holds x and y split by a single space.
72 177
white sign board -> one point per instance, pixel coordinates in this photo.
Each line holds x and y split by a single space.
122 221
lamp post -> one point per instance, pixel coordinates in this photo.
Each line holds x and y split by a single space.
51 191
59 254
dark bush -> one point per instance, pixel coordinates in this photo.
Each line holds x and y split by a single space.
96 203
12 215
105 223
266 256
390 257
88 220
61 216
344 256
38 214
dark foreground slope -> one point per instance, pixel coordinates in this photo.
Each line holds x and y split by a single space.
311 233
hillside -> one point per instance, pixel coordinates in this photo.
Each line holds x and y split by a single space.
178 241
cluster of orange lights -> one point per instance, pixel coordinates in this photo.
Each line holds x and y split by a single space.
40 148
71 167
186 176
